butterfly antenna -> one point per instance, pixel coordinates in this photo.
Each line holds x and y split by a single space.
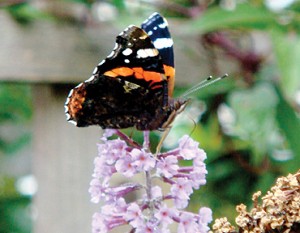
206 82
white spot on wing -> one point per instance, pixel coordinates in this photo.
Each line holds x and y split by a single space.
143 37
127 52
73 122
116 46
95 70
79 85
111 54
161 43
66 110
101 63
70 93
126 61
150 18
143 53
163 25
67 101
130 26
126 29
150 33
90 79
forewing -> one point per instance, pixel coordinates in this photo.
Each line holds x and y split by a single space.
126 88
157 28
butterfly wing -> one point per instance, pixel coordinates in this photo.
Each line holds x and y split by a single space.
157 28
126 89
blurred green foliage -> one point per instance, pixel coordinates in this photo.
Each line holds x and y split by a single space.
15 209
16 109
259 141
15 113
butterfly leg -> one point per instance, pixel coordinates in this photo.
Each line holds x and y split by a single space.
164 136
179 106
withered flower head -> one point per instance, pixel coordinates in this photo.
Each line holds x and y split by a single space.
279 211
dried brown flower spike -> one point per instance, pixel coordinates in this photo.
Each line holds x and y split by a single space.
279 211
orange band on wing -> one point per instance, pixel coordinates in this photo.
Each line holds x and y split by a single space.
170 74
147 75
169 71
121 71
138 72
153 76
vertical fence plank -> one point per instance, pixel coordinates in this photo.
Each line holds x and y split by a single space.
62 163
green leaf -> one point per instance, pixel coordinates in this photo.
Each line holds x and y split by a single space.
15 101
287 51
14 215
243 16
25 13
10 147
119 4
255 110
221 170
265 181
290 125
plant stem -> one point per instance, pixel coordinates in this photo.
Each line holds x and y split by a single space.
146 147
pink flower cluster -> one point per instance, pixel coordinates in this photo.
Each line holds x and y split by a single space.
150 213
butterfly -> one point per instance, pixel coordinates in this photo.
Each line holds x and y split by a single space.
133 86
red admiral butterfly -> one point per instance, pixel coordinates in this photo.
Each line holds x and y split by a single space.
133 86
